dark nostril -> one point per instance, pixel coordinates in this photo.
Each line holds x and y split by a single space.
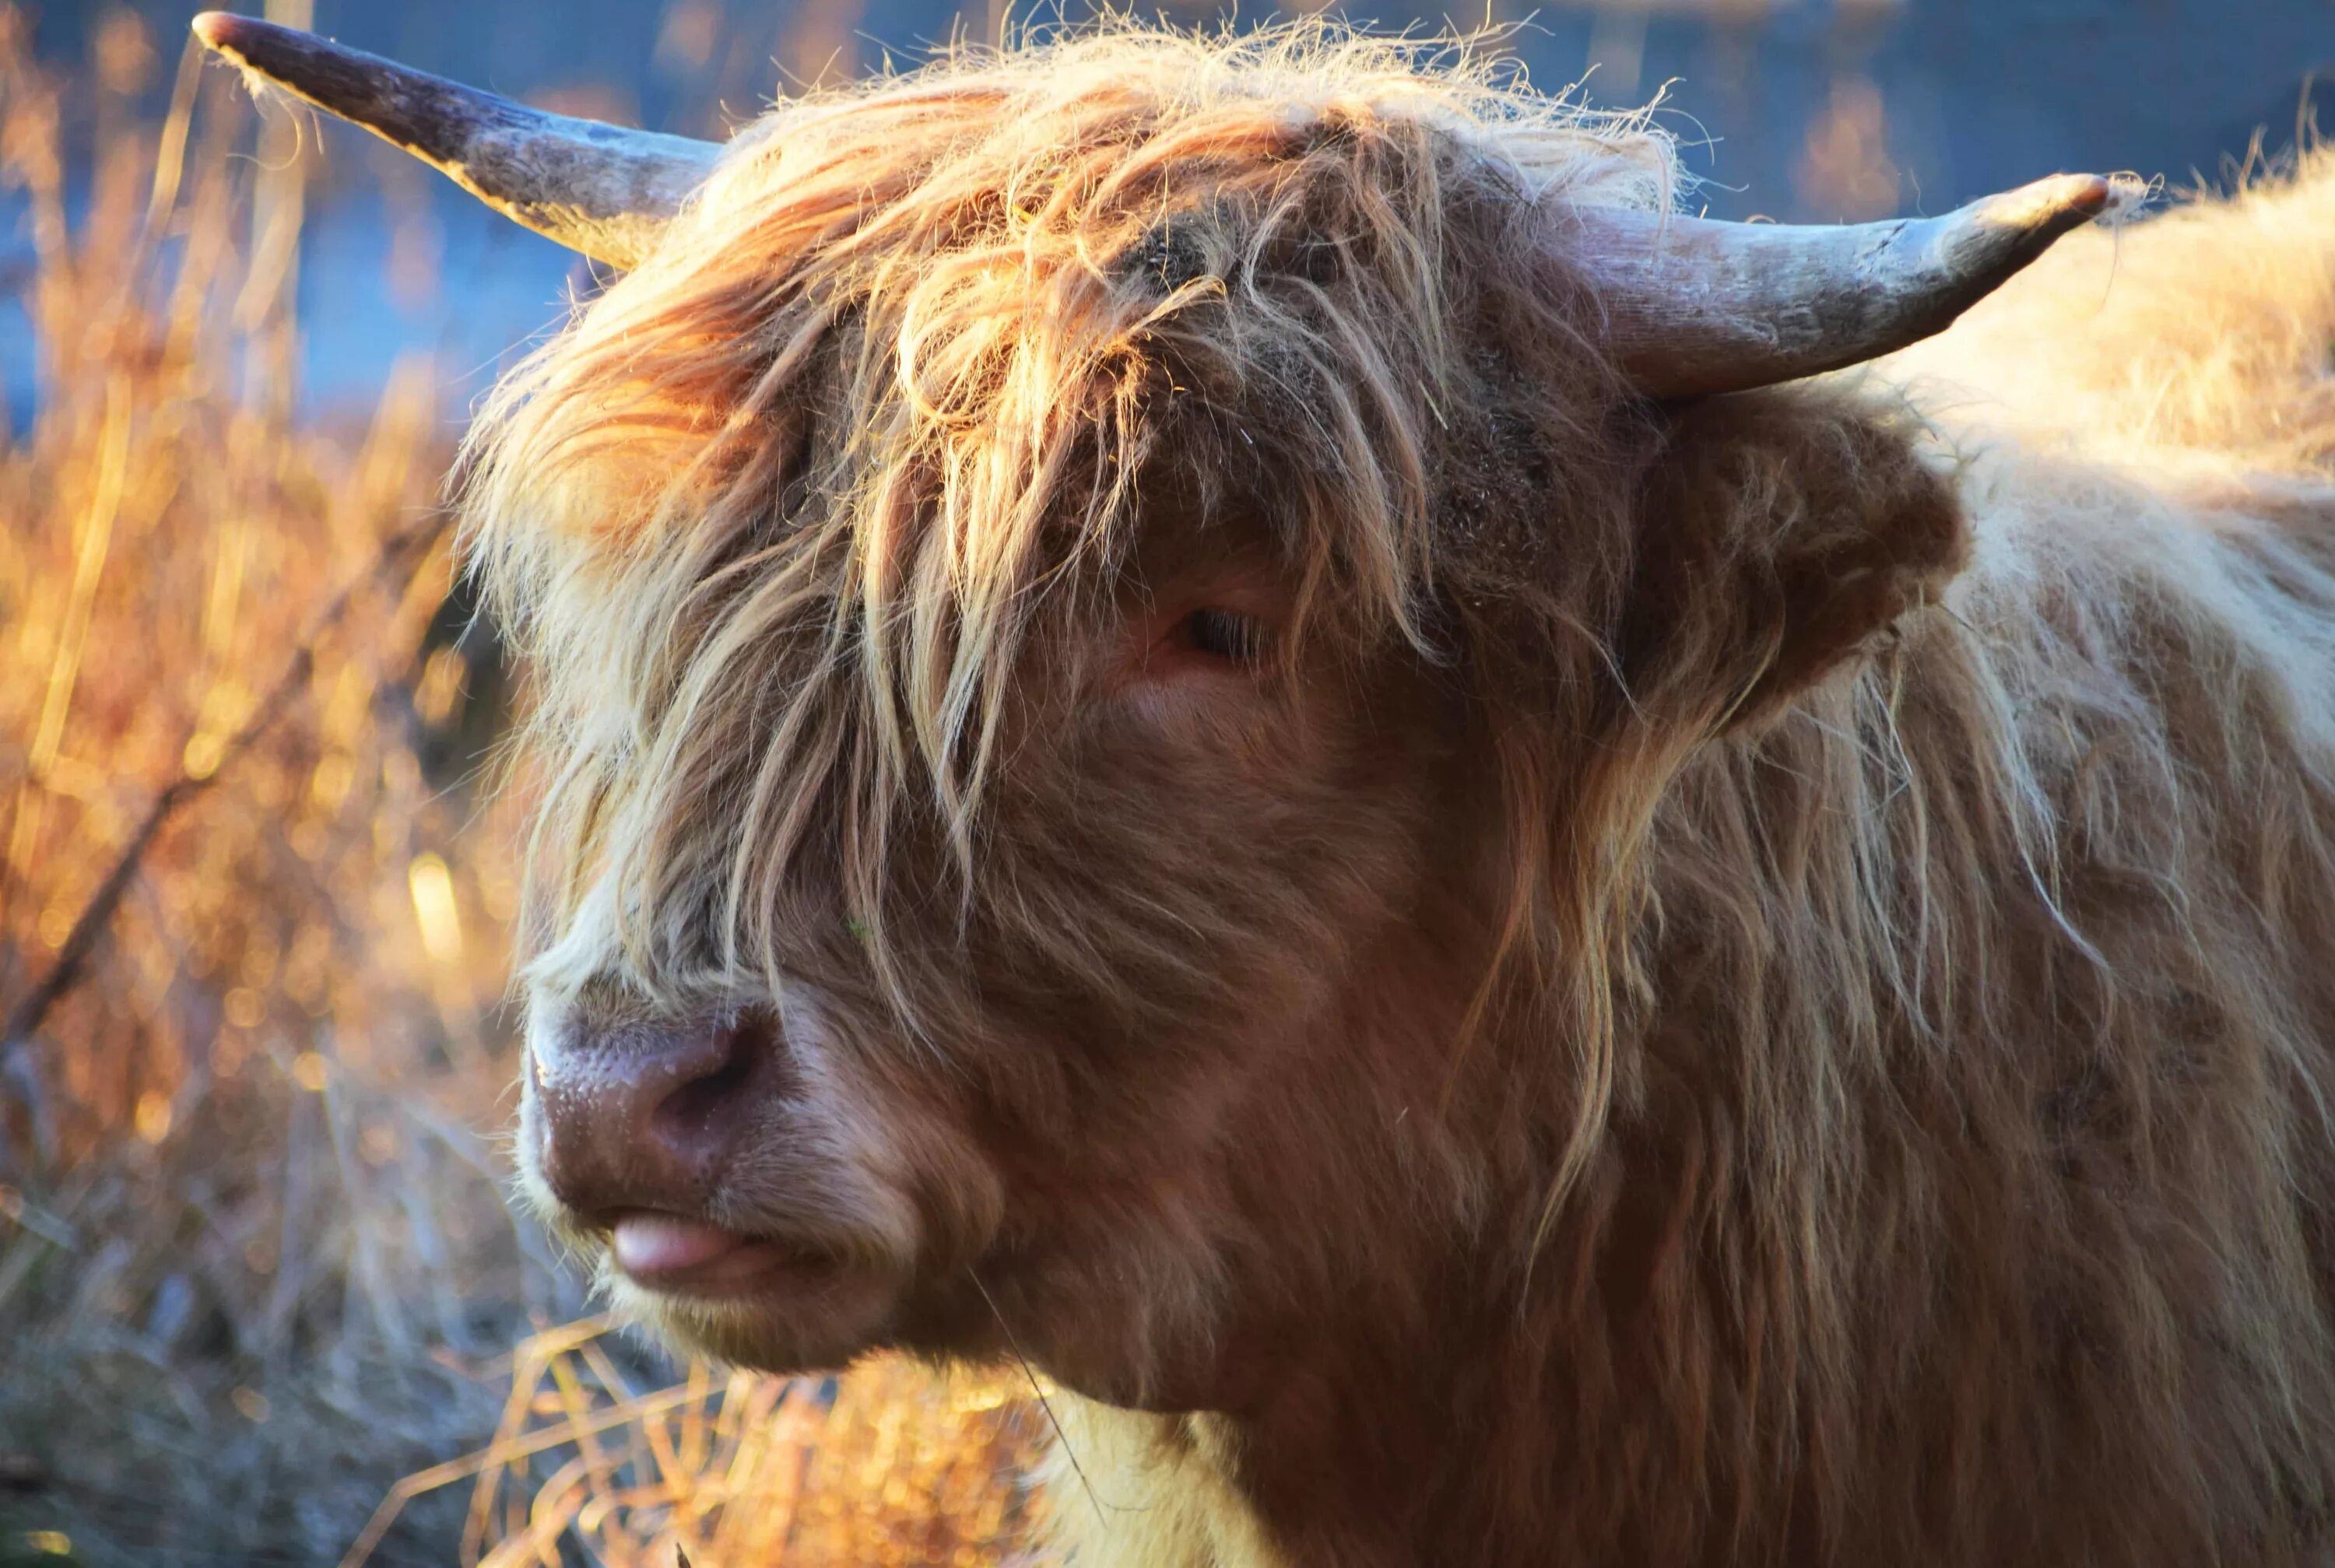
696 1106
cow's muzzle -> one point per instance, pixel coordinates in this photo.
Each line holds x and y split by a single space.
637 1124
644 1117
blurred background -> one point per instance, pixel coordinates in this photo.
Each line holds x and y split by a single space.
260 1301
1825 110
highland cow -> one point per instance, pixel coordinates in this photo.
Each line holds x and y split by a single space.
1227 715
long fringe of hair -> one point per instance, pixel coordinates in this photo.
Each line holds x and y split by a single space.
890 388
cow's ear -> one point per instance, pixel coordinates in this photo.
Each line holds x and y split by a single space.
1779 535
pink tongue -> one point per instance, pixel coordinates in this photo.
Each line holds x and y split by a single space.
665 1244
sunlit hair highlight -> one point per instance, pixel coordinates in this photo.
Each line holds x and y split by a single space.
776 513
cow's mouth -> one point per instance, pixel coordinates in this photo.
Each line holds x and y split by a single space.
676 1256
756 1301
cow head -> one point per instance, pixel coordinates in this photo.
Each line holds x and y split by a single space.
1107 624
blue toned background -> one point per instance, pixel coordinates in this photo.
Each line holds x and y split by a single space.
1801 108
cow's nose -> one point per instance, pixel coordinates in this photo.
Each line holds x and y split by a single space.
643 1116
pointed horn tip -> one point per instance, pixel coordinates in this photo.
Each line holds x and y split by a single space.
221 29
2064 200
2077 195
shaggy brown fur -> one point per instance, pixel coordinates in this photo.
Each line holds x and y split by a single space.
1740 982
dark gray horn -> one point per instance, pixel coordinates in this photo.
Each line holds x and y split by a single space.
1695 306
598 188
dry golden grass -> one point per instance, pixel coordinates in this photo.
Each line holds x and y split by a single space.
254 1263
887 1464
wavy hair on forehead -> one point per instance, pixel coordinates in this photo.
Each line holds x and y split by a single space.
775 514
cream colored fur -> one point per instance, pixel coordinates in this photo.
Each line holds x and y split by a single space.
2195 342
1154 1494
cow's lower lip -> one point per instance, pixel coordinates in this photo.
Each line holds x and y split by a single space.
749 1300
678 1256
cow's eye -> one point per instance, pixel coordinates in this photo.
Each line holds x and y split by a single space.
1225 635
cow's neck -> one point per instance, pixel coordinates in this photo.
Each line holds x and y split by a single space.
1368 1450
1382 1417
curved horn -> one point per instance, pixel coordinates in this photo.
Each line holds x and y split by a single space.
1695 306
597 188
